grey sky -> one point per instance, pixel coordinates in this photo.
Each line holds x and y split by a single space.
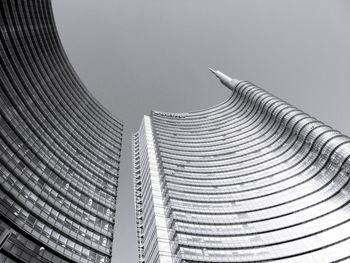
138 55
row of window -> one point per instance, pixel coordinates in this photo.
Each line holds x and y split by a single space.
61 171
55 197
54 63
37 144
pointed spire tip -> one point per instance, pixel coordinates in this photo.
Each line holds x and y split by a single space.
212 70
226 80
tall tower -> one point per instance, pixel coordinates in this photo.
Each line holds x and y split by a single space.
252 179
59 148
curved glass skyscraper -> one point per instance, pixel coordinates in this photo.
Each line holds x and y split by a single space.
252 179
59 148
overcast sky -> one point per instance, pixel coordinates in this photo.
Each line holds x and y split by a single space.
138 55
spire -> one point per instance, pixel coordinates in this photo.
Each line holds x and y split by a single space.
224 79
213 71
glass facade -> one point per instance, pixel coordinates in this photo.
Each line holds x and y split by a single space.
59 148
252 179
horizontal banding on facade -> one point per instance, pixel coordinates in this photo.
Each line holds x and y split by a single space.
252 179
59 148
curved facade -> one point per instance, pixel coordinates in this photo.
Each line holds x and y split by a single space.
59 148
252 179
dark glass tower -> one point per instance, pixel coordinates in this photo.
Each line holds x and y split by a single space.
59 148
252 179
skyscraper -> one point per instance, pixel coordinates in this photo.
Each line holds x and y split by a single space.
59 148
252 179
